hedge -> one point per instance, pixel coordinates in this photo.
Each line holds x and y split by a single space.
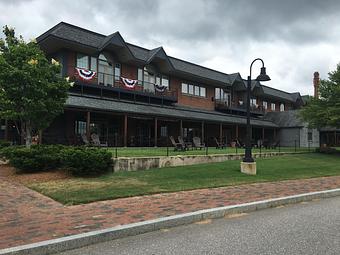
81 161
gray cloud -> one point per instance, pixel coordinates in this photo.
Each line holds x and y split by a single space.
295 37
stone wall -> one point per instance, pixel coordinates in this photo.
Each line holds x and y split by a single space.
144 163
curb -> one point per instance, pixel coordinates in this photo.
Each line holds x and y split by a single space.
81 240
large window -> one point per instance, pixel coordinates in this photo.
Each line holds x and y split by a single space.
194 90
105 71
253 101
272 106
80 127
148 79
82 61
223 95
282 107
265 105
117 71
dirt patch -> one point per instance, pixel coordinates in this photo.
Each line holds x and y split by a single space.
9 172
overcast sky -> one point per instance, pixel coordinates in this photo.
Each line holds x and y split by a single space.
294 37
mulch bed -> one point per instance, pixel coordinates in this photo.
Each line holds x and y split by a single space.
10 173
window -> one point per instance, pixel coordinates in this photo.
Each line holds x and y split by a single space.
117 71
253 102
184 88
223 95
158 80
191 89
140 76
105 71
165 81
82 61
265 105
310 134
282 107
80 127
202 92
197 91
272 106
164 131
93 64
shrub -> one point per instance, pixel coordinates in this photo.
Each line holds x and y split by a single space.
37 158
4 144
84 161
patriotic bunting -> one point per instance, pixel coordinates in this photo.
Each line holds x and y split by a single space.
130 84
85 75
160 88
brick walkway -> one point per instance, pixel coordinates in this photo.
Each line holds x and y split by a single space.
27 216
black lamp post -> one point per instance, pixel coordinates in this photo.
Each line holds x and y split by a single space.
262 77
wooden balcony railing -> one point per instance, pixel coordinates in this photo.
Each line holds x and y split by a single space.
225 105
107 81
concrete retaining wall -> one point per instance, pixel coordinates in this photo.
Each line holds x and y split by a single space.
144 163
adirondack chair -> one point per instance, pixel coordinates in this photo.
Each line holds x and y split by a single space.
177 146
85 140
219 145
187 145
197 143
96 141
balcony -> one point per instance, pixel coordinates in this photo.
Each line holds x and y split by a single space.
225 106
110 86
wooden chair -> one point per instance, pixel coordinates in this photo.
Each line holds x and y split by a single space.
96 141
177 146
187 145
220 145
197 143
85 140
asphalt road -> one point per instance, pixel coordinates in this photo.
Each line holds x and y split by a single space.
305 228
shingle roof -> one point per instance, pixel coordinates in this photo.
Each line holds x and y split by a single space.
286 119
97 41
161 111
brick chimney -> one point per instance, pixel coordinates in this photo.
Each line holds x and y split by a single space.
316 82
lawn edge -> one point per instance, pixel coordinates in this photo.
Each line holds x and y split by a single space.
93 237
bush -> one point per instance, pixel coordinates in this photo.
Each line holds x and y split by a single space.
37 158
84 161
4 144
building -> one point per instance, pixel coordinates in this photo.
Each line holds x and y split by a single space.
132 96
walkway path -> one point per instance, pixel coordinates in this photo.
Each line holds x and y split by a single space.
27 216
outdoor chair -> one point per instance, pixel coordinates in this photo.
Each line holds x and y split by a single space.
220 145
275 144
85 140
197 143
96 141
177 146
187 145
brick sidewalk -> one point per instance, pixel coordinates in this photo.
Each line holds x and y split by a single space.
27 216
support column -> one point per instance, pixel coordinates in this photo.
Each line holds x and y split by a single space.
262 134
275 134
88 121
236 132
202 132
221 131
334 138
181 128
156 135
125 129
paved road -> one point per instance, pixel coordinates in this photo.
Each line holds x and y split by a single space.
305 228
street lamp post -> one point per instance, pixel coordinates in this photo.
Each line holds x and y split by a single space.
248 165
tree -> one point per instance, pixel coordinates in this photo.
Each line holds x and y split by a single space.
32 93
325 110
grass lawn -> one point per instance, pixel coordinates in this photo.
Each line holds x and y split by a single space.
162 151
124 184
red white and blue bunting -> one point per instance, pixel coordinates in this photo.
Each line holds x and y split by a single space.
130 84
85 75
160 88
